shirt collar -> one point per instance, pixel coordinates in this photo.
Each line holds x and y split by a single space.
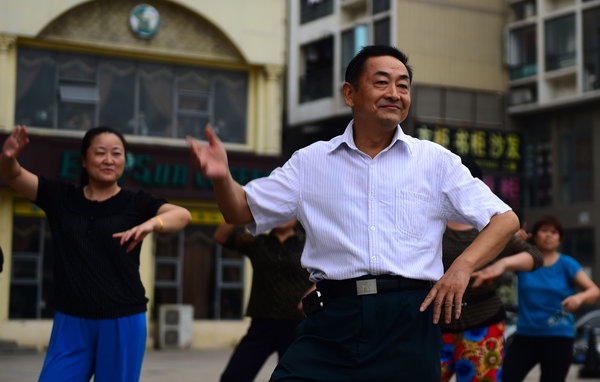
348 139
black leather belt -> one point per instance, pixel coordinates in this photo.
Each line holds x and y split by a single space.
370 285
364 285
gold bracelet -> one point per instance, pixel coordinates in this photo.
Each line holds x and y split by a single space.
162 224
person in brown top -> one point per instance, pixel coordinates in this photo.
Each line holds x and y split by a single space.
473 345
278 284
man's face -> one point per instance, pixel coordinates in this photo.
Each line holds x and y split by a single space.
383 92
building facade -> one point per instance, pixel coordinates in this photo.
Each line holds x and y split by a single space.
552 53
158 71
455 49
512 83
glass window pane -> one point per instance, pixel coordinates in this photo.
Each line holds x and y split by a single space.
459 105
591 49
36 95
523 9
380 6
194 126
76 116
560 42
580 244
77 67
537 164
230 104
26 234
166 272
193 101
381 31
24 268
193 79
317 80
116 83
314 9
167 244
352 42
522 54
232 273
576 159
231 304
78 93
156 100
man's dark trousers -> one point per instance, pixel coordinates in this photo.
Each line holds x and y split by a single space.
375 338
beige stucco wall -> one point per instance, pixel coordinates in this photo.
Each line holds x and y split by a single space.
257 29
455 43
6 207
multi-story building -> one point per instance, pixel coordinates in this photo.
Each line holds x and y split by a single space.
552 53
455 48
157 70
511 83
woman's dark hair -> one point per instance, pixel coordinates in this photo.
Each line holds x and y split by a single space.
356 65
87 141
545 221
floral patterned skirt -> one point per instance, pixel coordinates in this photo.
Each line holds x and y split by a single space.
474 355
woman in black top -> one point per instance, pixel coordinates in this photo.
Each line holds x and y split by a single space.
100 322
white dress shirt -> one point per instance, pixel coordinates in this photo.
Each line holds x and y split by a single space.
363 215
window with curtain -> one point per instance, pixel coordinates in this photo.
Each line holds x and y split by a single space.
560 42
521 52
537 165
31 278
73 91
576 161
314 9
379 6
317 80
591 49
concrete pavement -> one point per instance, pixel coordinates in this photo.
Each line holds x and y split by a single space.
171 366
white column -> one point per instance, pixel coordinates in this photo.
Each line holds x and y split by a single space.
8 75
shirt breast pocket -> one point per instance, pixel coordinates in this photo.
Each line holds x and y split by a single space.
412 213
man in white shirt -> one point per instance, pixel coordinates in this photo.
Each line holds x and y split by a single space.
374 203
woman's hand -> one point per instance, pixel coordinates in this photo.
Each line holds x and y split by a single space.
15 143
488 274
572 303
135 234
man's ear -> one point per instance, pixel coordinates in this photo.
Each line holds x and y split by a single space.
348 93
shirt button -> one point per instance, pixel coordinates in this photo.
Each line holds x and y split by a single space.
373 258
372 228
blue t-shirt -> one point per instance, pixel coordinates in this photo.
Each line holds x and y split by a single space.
541 293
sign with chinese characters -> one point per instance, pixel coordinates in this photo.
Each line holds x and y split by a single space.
144 20
498 153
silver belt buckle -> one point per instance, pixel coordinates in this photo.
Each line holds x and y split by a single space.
366 287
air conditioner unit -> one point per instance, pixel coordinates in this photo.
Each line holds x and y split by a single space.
175 326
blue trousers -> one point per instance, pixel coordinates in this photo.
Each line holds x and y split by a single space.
111 350
375 338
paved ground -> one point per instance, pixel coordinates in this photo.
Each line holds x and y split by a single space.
171 365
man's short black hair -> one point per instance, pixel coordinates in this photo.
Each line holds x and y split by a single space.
356 65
